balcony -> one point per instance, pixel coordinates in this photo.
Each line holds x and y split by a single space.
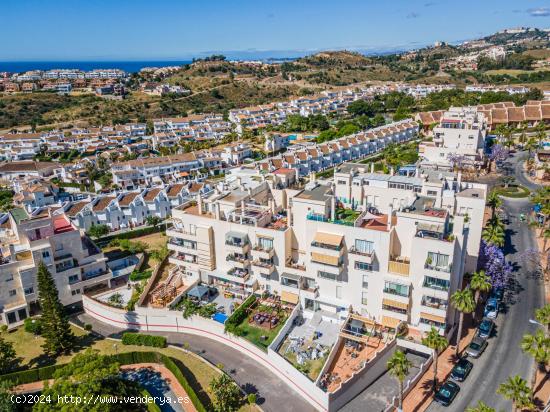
399 266
240 262
434 303
264 268
261 252
180 246
367 257
436 284
295 265
436 268
181 233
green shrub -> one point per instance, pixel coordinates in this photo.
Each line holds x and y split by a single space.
251 398
140 339
88 327
33 325
240 314
151 406
140 275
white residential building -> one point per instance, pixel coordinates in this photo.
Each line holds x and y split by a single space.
460 136
74 261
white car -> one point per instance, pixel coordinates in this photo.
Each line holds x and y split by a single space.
491 308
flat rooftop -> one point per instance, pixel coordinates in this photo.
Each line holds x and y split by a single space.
319 194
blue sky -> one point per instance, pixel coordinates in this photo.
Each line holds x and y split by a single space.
179 29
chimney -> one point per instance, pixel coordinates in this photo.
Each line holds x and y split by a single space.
372 167
364 201
199 203
390 213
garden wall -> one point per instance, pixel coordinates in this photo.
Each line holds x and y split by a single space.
163 320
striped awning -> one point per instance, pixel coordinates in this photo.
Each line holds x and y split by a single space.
328 238
434 318
390 322
321 258
289 297
395 304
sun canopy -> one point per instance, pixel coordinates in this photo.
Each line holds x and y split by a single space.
328 238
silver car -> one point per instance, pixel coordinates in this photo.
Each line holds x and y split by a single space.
476 347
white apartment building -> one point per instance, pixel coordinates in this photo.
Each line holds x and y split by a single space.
46 235
461 131
392 248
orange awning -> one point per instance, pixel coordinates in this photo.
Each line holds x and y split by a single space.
431 317
289 297
328 260
390 322
328 238
395 304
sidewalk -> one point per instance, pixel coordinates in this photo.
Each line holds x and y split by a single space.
420 397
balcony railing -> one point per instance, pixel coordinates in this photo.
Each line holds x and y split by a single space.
295 265
434 305
446 269
399 266
229 242
395 292
435 286
326 246
259 263
354 251
233 258
260 248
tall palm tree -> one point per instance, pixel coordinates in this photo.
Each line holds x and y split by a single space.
542 315
480 282
398 366
436 342
481 407
463 301
516 390
494 202
538 347
493 234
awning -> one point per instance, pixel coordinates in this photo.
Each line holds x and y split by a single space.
390 322
431 317
238 235
289 297
328 238
290 276
395 304
328 260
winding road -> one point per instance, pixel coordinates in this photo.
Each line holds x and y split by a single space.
504 357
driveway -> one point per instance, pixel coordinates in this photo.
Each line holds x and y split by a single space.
273 394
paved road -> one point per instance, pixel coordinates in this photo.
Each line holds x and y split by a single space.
504 357
273 394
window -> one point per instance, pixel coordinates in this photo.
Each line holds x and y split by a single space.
75 292
396 289
365 281
265 243
432 193
12 292
436 283
432 323
364 246
342 182
11 317
22 314
73 279
364 298
327 275
363 266
437 260
46 254
29 291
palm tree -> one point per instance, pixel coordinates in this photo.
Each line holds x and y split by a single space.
480 282
436 342
481 407
537 346
463 301
494 202
542 315
516 390
493 234
398 366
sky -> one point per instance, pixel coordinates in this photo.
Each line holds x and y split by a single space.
180 29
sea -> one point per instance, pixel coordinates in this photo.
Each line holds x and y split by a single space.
129 66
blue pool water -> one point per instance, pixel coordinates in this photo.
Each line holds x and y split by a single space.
291 137
220 317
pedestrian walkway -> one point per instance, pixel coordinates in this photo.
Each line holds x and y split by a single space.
420 397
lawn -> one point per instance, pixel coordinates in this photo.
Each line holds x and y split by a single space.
513 191
262 336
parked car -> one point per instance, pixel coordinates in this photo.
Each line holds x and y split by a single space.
446 393
497 293
476 347
491 308
485 328
461 370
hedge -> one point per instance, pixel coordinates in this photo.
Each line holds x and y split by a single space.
239 314
141 339
127 358
151 406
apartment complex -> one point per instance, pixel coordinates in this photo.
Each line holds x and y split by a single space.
45 235
458 138
338 248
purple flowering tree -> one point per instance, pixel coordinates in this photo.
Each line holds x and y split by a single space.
491 259
499 153
456 160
